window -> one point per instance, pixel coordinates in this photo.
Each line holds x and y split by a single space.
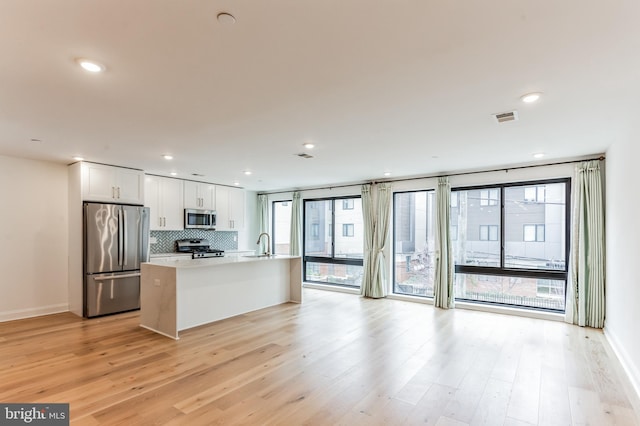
413 243
534 194
534 233
315 231
489 197
333 257
512 244
488 232
281 226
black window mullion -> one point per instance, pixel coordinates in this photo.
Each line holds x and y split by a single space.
502 232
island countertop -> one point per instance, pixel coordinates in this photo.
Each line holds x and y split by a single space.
214 261
178 294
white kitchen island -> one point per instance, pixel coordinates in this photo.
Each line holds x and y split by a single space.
179 294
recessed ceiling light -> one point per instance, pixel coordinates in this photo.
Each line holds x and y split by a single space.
236 183
308 145
78 158
173 174
89 65
387 173
530 97
167 157
247 172
226 18
538 155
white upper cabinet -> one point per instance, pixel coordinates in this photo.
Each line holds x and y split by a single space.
199 195
112 184
230 206
164 198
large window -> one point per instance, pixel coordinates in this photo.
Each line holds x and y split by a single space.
511 245
333 257
413 247
281 227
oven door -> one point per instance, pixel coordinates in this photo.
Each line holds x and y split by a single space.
199 219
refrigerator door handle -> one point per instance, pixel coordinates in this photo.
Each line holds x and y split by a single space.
115 277
120 237
125 240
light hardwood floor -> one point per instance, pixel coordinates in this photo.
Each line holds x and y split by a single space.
336 359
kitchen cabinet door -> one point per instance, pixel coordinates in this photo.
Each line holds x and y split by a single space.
199 195
112 184
164 198
230 208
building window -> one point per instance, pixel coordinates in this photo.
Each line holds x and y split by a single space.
495 261
488 232
333 242
314 231
534 194
533 233
489 197
453 231
347 204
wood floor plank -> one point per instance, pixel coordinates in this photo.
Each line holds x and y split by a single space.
335 359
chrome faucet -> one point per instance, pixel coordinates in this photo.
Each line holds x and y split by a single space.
268 252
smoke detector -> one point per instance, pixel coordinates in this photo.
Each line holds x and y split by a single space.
504 117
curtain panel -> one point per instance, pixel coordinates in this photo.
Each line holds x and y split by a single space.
295 238
586 292
376 201
443 285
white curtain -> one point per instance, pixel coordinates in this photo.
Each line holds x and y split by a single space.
586 292
263 221
366 288
296 226
376 237
443 285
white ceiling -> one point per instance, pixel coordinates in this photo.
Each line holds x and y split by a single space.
406 86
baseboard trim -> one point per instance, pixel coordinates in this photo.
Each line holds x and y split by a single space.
625 360
33 312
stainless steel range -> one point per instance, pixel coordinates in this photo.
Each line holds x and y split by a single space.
198 247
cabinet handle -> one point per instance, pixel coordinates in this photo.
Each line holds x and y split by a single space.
159 221
164 221
113 192
118 193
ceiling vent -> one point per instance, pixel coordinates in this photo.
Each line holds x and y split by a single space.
504 117
304 155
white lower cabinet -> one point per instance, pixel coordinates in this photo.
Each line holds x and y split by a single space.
164 198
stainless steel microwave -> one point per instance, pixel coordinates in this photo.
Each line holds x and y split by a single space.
199 219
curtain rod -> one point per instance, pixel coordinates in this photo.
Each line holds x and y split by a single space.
505 169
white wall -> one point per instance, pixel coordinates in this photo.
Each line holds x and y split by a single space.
623 252
33 238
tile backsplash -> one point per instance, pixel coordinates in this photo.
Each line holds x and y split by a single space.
166 240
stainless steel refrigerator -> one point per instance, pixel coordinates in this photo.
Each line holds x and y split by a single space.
116 241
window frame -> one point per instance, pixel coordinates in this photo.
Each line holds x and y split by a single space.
549 274
273 222
394 233
326 259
